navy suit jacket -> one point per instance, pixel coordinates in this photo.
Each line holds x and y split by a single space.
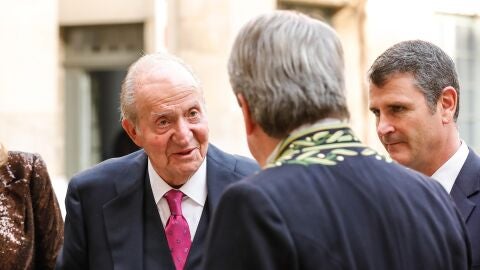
466 195
112 221
328 202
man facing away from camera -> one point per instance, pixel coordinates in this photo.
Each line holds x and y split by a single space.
151 209
415 95
323 200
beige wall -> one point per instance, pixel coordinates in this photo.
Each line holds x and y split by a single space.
349 23
30 105
391 21
81 12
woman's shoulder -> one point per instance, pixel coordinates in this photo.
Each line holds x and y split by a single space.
24 160
20 164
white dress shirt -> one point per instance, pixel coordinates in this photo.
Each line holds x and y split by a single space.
448 172
195 190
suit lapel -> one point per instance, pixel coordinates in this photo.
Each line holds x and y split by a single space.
123 216
467 185
220 174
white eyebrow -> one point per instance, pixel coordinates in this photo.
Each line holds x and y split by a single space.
161 114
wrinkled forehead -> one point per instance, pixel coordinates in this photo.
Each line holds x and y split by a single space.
168 85
169 73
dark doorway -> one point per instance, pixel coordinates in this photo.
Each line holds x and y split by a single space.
113 141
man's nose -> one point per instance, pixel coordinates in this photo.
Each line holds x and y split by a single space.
384 126
183 132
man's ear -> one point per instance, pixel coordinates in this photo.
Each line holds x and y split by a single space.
247 117
132 132
449 103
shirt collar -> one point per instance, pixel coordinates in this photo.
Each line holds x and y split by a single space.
448 172
319 124
195 188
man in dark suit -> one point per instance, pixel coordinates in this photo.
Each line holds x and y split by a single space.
151 209
414 95
323 199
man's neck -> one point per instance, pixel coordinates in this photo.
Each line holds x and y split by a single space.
261 146
448 149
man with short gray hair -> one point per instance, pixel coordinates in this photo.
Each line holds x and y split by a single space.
323 199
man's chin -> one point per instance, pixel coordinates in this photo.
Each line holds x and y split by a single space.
187 169
401 158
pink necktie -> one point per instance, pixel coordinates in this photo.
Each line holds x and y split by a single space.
177 231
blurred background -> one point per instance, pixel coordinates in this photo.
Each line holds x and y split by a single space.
62 63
